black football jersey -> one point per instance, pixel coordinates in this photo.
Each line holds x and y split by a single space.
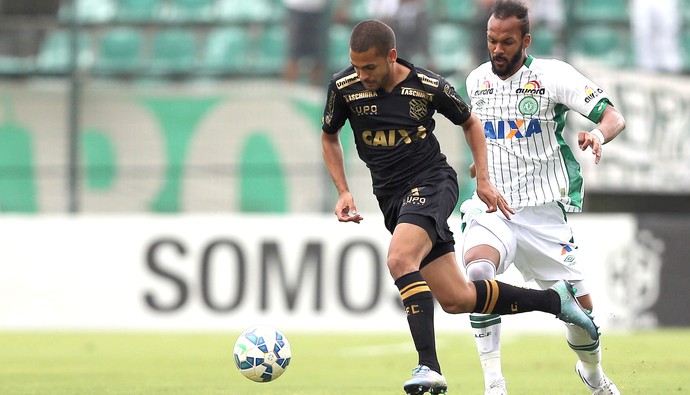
394 131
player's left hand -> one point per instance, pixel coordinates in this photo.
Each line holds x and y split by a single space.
493 199
587 139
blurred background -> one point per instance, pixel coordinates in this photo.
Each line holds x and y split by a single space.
160 160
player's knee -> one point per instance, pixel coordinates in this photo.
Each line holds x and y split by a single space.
461 302
481 269
399 265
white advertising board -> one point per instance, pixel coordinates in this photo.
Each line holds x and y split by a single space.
225 272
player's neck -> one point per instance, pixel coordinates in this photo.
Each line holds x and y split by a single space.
398 74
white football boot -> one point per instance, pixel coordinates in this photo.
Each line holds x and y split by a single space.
604 387
425 380
497 387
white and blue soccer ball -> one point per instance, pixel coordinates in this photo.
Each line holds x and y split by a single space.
262 353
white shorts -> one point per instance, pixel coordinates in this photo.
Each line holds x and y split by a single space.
537 240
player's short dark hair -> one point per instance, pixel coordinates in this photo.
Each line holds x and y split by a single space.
504 9
372 34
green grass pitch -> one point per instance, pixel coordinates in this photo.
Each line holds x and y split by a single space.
654 362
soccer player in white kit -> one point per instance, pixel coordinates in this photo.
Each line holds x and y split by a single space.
522 103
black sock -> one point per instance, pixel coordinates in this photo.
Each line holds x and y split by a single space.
419 306
494 297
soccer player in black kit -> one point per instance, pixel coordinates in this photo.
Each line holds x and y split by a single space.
390 105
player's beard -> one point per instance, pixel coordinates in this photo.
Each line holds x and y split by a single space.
510 65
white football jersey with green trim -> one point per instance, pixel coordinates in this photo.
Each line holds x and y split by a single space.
523 119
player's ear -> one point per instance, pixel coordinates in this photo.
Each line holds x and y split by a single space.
392 55
526 40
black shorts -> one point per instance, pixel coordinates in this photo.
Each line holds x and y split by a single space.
429 205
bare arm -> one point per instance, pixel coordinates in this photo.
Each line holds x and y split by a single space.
487 192
333 158
610 125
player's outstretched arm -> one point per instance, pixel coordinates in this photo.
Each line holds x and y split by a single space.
487 192
610 125
333 158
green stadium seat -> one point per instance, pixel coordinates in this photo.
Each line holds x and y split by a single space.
54 55
685 11
88 11
190 10
138 10
257 11
606 44
543 42
226 50
587 11
11 65
173 51
120 51
359 11
338 47
685 43
271 50
450 47
457 10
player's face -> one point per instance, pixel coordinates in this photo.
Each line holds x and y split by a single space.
506 45
373 69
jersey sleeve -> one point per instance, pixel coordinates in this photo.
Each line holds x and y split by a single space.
449 103
579 93
336 111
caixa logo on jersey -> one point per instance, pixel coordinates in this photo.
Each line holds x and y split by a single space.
511 129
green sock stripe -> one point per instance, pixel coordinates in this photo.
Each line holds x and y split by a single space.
484 321
585 347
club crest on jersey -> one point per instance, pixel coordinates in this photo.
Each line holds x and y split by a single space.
528 105
511 129
484 89
418 108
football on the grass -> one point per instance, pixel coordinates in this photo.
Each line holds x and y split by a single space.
262 353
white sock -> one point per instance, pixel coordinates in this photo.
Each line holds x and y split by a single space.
588 351
486 327
487 336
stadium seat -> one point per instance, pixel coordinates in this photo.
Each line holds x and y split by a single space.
543 42
685 43
88 11
120 51
457 10
190 11
450 48
137 10
258 11
587 11
271 50
359 11
226 50
54 55
609 45
173 51
338 47
11 65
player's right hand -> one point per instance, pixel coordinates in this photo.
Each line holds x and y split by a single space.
493 199
345 209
